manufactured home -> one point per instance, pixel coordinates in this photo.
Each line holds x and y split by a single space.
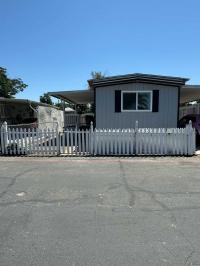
133 114
120 101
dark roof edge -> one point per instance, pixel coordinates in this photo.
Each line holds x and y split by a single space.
52 93
146 78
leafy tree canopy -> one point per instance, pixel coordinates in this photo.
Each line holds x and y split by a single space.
94 75
10 87
60 105
45 98
97 75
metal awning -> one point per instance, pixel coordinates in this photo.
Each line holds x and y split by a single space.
76 96
189 93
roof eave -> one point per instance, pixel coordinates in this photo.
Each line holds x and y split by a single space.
138 78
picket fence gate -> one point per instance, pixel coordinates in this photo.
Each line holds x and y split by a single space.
93 142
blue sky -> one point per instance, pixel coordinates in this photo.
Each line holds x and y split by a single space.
54 45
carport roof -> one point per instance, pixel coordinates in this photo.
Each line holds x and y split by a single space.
25 101
76 96
188 93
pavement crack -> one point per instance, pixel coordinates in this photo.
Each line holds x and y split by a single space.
189 257
132 190
4 204
191 253
126 185
13 181
76 201
113 186
163 206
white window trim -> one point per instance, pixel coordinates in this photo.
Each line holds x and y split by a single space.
151 103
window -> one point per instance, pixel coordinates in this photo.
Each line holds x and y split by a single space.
136 101
129 101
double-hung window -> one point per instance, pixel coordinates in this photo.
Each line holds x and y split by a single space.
136 101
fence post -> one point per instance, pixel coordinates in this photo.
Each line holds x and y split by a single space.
91 138
136 137
190 138
5 133
58 136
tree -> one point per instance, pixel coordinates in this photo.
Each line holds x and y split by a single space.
97 75
94 75
10 87
45 98
83 108
60 105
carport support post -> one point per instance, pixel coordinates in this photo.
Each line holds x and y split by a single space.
63 107
136 137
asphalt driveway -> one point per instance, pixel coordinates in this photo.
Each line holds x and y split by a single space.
113 211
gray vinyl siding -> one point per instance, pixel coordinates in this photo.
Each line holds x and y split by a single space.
107 118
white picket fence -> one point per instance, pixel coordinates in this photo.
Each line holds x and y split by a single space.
145 141
76 142
28 141
137 141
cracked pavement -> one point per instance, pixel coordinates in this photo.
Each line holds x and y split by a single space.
99 211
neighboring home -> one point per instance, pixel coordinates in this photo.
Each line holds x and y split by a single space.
189 96
30 114
120 101
190 93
